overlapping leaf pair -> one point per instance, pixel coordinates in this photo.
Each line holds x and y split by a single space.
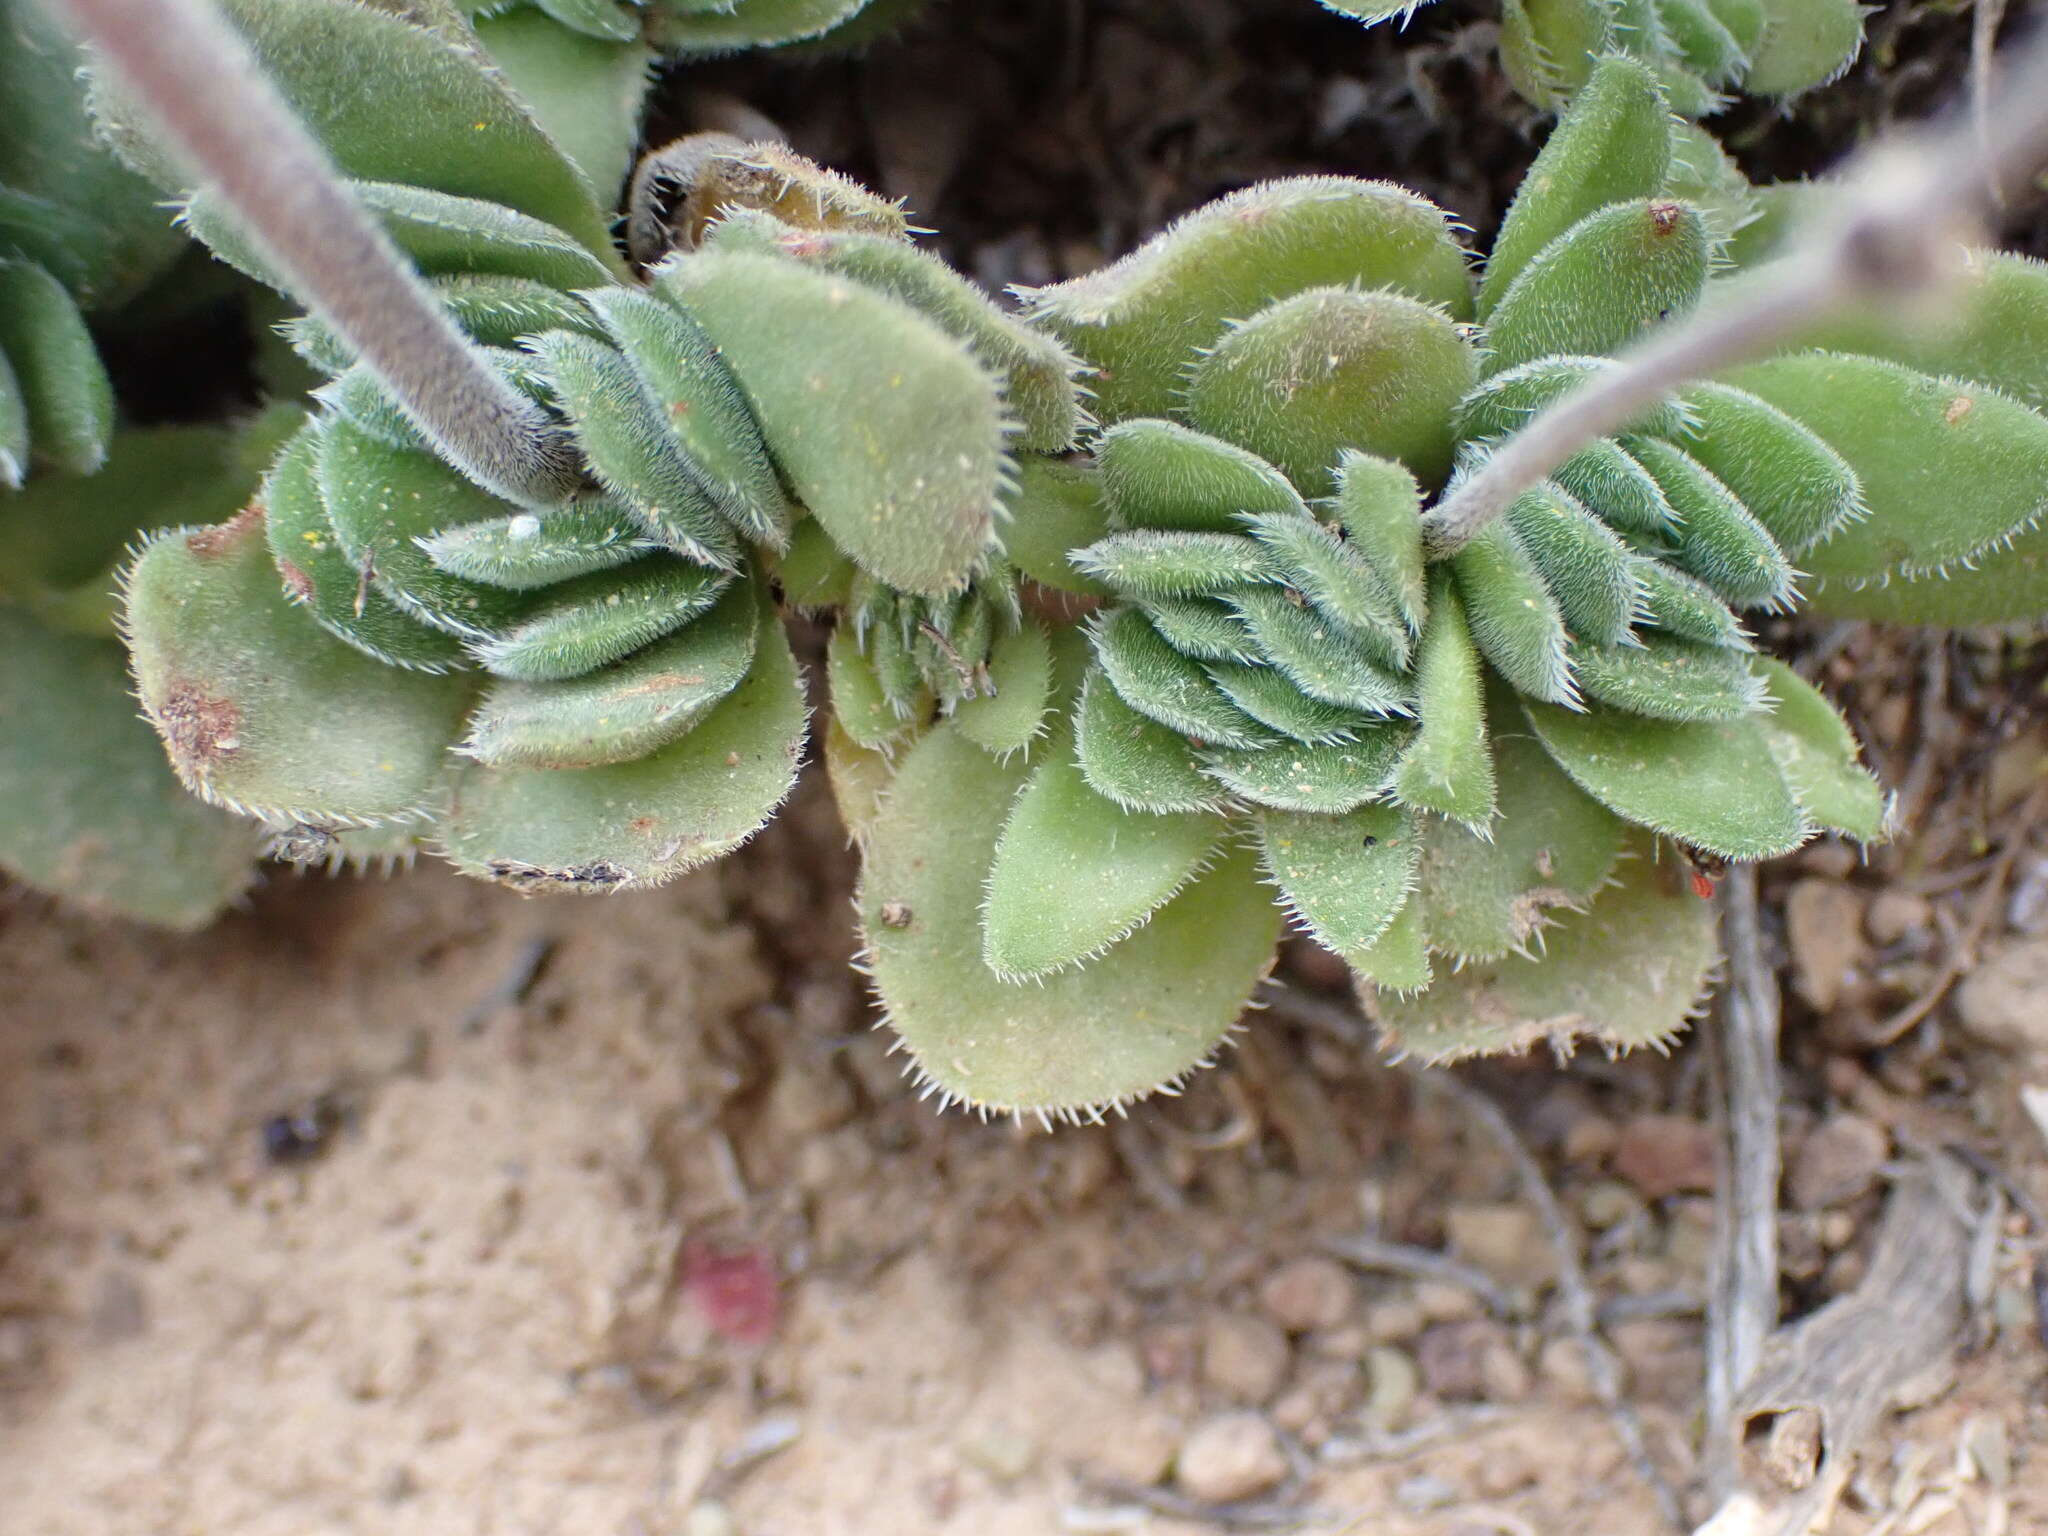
1698 49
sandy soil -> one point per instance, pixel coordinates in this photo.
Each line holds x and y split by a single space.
626 1224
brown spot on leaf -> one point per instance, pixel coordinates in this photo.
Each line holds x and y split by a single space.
1664 217
211 543
200 729
1958 408
298 581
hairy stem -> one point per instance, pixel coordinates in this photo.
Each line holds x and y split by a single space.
196 76
1893 244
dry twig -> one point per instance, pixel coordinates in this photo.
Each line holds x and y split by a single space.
1824 1381
1742 1305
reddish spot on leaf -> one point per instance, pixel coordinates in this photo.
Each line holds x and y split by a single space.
1702 885
211 543
739 1291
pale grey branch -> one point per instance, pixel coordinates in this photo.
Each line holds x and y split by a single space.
192 72
1907 208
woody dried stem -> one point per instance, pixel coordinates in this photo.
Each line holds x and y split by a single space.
194 73
1893 244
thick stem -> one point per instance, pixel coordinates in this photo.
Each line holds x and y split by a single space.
196 76
1891 245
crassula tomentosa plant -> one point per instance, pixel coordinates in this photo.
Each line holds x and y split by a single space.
1702 51
88 807
1073 832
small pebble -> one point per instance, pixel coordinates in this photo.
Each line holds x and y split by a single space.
1664 1154
2004 1001
1004 1453
1506 1240
1892 915
1140 1452
1562 1365
1838 1162
1393 1381
1393 1322
710 1518
1244 1359
1608 1204
1441 1302
1308 1293
1824 931
1230 1457
1454 1357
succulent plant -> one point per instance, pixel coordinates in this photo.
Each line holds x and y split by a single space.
1701 51
88 809
1103 680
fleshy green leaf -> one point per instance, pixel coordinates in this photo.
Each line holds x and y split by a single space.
88 808
1158 681
1133 759
1612 144
538 549
1448 768
1054 507
1154 562
596 620
860 704
1327 779
700 402
631 825
381 501
1336 580
1270 697
263 711
1138 322
1687 607
1798 487
1379 506
65 395
620 712
1601 284
1806 43
885 427
1551 847
1609 482
1344 878
1038 372
1715 786
1399 960
1201 627
1629 971
587 91
336 593
1666 678
624 437
1587 568
1547 47
1513 618
1332 368
1818 756
1149 1011
1719 540
1020 671
1323 661
1074 873
1159 474
725 28
1949 470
